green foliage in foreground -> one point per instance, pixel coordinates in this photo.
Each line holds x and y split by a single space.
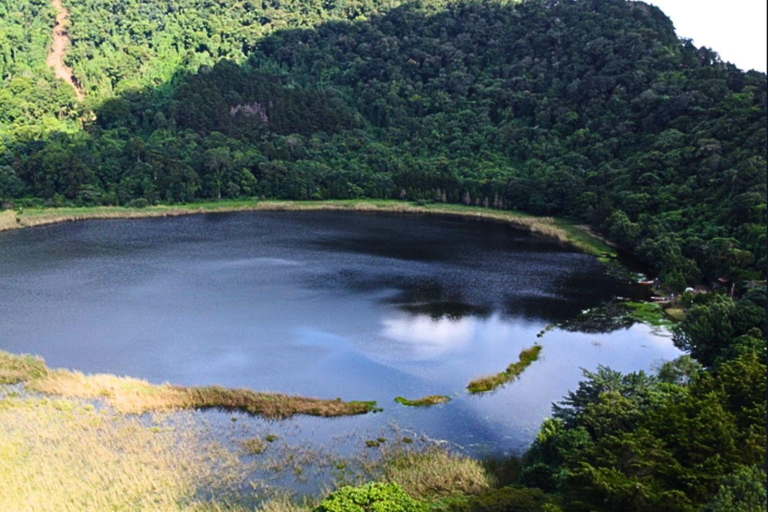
371 497
681 440
505 499
741 491
592 110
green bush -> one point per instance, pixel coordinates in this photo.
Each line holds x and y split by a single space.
371 497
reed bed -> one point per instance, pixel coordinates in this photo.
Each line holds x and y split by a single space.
434 473
135 396
62 455
62 449
426 401
513 371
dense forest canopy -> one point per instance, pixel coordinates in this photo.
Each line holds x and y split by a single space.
593 110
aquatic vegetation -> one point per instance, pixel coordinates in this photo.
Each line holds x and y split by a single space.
255 446
601 319
433 473
426 401
649 313
489 383
129 395
619 315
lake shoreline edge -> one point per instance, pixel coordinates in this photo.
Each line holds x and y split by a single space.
564 231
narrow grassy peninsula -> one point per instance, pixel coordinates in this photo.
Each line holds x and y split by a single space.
426 401
135 396
485 384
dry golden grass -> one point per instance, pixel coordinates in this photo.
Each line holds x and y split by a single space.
129 395
14 369
8 220
63 455
282 504
491 382
434 473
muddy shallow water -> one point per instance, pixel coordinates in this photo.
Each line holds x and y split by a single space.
327 304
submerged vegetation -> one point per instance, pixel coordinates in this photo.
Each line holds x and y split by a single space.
129 395
513 371
620 314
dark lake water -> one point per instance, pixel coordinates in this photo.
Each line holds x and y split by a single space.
327 304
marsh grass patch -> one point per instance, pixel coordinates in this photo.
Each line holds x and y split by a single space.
513 371
64 455
136 396
426 401
433 473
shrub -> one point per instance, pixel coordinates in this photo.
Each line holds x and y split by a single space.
371 497
506 499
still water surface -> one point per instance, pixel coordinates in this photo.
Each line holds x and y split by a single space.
327 304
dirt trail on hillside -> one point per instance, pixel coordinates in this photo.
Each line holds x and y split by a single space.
59 49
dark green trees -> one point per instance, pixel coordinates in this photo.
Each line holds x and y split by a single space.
589 109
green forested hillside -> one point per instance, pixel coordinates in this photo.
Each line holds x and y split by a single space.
593 110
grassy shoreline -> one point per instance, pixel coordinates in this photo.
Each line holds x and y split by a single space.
134 396
559 229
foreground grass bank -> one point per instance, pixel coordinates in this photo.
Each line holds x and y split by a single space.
170 461
562 230
129 465
129 395
171 464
